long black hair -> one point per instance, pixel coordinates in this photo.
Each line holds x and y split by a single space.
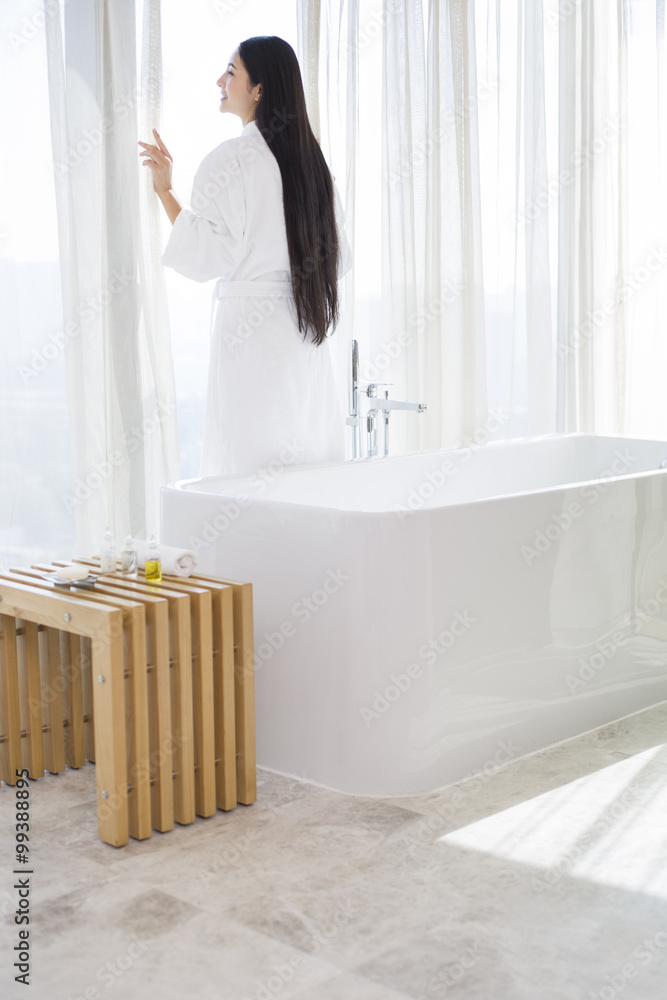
308 196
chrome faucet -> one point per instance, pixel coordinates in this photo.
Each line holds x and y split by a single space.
383 406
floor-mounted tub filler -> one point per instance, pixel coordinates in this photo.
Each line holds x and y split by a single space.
424 617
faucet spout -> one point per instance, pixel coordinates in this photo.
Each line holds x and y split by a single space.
400 404
379 404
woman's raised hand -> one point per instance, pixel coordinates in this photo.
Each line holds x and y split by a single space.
159 159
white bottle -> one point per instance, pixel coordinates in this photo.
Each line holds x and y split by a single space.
128 557
108 553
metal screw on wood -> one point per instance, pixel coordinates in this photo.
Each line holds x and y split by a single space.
68 616
105 795
101 679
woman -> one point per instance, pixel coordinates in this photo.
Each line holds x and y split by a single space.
267 221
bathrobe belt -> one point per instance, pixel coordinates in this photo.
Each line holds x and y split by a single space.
223 289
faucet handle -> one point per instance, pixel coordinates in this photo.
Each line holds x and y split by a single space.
372 387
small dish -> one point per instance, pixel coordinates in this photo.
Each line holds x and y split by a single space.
83 577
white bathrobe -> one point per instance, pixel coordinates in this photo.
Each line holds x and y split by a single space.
271 394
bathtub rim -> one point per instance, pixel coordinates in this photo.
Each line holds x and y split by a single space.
182 485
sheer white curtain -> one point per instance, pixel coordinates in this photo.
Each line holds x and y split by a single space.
517 110
34 439
593 206
328 53
118 354
612 349
308 44
452 268
452 365
407 335
480 346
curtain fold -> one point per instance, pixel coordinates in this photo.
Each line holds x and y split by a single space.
612 251
407 207
121 394
516 83
523 214
540 373
593 232
162 458
328 53
423 330
308 45
454 360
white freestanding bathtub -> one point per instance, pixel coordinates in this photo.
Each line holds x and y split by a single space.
421 618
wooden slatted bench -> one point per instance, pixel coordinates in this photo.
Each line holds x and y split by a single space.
153 683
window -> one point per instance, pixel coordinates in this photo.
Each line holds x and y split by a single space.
196 49
36 515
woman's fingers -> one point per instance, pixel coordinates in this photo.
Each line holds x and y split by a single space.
159 160
148 145
154 155
162 146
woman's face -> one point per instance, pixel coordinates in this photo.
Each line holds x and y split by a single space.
235 96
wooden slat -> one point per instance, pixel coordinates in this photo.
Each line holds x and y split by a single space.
22 670
52 689
164 750
203 704
52 700
104 625
73 685
173 745
70 665
225 712
88 708
203 689
10 719
182 712
137 721
223 682
161 742
244 678
136 695
50 695
244 688
202 686
31 701
110 742
190 727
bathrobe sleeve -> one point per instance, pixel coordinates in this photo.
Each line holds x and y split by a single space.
346 260
205 241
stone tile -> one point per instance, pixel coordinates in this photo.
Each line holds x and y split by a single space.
636 733
515 886
349 986
486 794
223 959
454 965
155 912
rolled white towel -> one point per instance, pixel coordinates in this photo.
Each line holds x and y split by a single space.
175 562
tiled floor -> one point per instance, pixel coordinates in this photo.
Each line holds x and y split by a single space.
546 879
